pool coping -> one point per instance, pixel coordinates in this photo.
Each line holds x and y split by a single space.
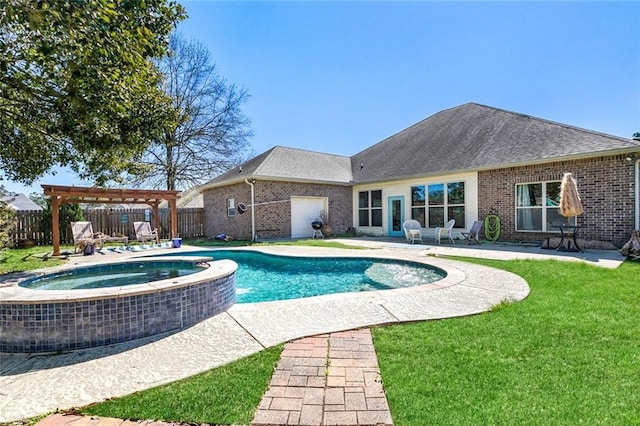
15 293
37 384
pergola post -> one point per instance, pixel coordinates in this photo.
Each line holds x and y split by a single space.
55 220
174 218
156 216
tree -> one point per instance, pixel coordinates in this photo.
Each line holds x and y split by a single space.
78 86
211 133
636 136
7 220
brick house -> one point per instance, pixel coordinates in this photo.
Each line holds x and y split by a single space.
462 163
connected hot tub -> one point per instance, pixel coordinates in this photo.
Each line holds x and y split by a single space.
102 304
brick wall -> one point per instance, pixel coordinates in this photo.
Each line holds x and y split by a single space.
605 184
271 220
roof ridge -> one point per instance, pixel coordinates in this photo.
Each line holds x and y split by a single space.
310 151
556 123
417 123
269 153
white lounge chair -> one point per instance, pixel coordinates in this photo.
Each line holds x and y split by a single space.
144 232
83 235
446 231
412 231
471 237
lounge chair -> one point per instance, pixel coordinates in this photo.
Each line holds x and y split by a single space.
412 231
471 237
83 235
144 232
446 231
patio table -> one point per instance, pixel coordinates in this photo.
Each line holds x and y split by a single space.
569 233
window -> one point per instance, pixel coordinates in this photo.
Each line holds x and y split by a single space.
370 208
538 207
418 204
455 203
446 202
231 207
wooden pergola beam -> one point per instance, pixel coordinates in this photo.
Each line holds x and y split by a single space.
75 194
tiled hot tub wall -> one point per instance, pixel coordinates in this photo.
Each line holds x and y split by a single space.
69 324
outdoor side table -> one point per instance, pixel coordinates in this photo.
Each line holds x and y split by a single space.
123 239
568 233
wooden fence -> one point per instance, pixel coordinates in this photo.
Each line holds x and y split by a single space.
34 225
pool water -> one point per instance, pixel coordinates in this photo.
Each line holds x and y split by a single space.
114 275
264 277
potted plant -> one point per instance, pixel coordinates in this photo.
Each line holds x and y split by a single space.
326 227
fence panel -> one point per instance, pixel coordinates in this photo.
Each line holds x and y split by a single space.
30 226
33 225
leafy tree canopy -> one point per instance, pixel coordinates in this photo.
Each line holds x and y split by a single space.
78 86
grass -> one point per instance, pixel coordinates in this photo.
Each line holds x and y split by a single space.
568 354
19 260
225 395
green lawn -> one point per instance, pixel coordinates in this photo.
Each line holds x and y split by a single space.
19 260
226 395
569 354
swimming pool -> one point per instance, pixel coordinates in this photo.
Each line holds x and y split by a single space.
265 277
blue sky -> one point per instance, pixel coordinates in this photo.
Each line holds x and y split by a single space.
338 77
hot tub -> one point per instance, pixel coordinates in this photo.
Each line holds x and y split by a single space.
33 320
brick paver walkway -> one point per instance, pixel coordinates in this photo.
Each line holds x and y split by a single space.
329 379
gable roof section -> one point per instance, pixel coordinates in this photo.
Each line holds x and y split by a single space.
20 202
478 137
289 164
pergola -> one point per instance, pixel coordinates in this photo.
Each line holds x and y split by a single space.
74 194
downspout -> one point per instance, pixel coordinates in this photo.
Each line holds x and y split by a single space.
253 210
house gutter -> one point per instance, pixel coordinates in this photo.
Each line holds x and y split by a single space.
253 210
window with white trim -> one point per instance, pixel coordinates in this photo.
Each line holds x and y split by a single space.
538 207
446 201
418 197
231 207
370 208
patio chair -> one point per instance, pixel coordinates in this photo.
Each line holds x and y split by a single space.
144 232
412 231
446 231
83 235
471 237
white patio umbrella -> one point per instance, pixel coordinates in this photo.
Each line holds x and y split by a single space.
570 204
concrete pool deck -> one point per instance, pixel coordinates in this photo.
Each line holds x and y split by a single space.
32 385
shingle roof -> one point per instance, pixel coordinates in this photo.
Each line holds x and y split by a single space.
477 137
20 202
465 138
290 164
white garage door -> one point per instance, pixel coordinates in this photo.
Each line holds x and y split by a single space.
305 210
